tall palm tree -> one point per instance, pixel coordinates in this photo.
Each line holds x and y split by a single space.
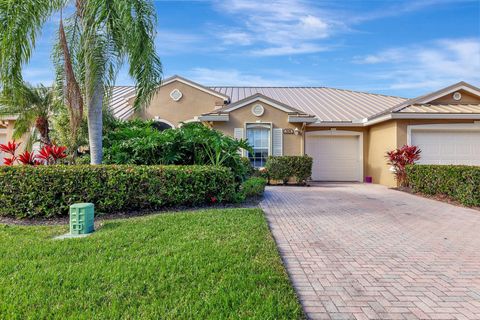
93 43
33 106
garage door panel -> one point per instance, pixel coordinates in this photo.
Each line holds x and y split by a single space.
335 158
448 146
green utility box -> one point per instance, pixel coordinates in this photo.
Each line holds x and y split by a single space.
81 218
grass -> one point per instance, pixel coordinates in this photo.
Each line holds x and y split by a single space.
210 264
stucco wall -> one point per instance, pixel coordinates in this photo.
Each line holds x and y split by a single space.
194 102
292 144
381 138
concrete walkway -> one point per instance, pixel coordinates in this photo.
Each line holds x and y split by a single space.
356 251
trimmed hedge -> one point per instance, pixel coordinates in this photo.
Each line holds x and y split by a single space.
253 187
48 191
286 167
461 183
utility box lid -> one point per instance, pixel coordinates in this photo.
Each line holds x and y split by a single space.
81 218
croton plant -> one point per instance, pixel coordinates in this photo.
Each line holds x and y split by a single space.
400 158
49 154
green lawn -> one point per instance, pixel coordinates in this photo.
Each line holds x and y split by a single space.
210 264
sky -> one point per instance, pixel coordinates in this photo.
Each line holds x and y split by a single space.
402 48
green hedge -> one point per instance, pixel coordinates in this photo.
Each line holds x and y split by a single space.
461 183
253 187
47 191
285 168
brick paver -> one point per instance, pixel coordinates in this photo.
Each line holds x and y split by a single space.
356 251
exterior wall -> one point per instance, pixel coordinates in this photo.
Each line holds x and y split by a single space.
382 138
356 129
193 103
467 98
387 136
292 144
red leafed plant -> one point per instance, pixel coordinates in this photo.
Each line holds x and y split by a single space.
10 148
9 161
51 154
400 158
28 158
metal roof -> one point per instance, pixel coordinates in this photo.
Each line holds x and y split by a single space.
441 108
118 102
327 104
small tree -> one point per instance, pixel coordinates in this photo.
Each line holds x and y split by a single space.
400 158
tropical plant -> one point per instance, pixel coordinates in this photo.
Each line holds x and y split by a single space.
33 106
139 142
49 154
11 149
400 158
93 43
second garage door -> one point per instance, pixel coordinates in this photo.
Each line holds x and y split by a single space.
447 146
335 157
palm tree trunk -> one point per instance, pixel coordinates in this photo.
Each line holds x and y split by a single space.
95 124
42 126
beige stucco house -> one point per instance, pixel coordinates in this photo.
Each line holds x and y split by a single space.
346 132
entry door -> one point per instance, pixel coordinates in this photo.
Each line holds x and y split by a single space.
335 157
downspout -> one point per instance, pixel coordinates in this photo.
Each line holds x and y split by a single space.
302 143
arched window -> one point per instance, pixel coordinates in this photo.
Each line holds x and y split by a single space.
162 124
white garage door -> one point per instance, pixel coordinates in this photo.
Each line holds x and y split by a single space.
448 146
335 158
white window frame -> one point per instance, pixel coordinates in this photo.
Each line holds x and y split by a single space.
270 124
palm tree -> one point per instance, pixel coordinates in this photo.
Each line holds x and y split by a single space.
33 106
93 43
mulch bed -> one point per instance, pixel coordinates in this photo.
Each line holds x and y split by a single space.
64 220
438 197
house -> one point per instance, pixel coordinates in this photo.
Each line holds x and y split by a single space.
346 132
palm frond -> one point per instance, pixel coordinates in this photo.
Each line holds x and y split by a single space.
21 22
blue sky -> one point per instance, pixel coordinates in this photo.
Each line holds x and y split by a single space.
403 48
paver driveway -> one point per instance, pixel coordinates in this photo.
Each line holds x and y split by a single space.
356 251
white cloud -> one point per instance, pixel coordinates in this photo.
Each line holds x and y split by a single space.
234 77
237 38
174 42
428 66
290 50
277 28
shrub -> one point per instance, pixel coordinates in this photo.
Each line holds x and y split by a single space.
139 142
400 158
47 191
286 167
253 187
249 169
461 183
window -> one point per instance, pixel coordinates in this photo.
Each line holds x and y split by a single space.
258 135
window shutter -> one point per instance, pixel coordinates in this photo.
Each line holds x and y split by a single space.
238 134
277 145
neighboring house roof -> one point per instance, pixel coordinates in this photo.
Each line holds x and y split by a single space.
425 99
119 104
441 108
327 104
196 85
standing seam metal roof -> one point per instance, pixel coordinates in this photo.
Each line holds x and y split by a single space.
327 104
